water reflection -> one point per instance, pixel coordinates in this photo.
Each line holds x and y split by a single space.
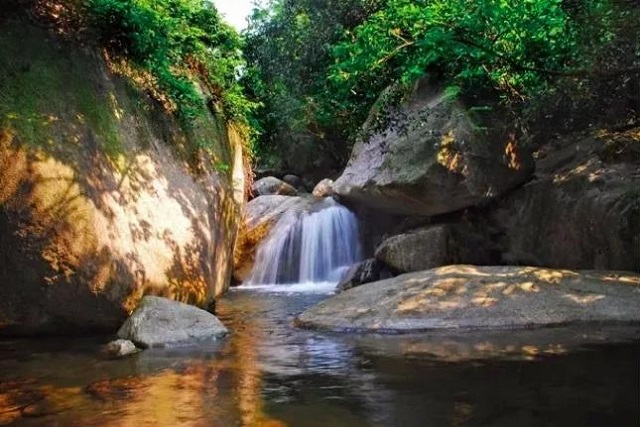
269 374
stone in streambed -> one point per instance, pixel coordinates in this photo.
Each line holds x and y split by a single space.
120 348
461 297
271 185
159 322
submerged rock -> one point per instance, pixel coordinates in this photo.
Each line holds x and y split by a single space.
434 159
120 348
159 322
466 297
367 271
271 185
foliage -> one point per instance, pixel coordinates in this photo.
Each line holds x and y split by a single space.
288 50
173 41
318 72
517 48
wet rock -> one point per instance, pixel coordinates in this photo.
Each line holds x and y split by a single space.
120 348
159 322
433 159
462 297
367 271
324 188
271 185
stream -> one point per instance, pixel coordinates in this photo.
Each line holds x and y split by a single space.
268 373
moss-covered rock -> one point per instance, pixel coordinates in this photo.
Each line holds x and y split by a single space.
103 196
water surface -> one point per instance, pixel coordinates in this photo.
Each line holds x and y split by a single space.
269 374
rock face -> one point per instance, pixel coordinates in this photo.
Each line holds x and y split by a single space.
583 208
434 246
260 216
158 322
367 271
98 204
433 160
272 186
468 297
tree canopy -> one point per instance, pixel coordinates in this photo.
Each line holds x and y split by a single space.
319 66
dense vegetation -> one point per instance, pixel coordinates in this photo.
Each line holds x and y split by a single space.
318 69
175 41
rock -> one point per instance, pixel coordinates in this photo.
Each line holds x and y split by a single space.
120 348
324 188
417 250
158 322
97 203
434 159
434 246
367 271
260 216
294 180
272 186
461 297
583 209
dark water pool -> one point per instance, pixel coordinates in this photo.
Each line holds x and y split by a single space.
269 374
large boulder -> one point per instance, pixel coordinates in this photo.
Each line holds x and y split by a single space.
158 322
582 210
466 297
101 198
436 245
271 185
260 215
434 158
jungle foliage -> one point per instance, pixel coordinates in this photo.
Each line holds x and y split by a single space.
318 67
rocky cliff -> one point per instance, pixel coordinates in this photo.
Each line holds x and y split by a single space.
103 197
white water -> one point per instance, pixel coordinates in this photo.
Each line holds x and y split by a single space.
307 252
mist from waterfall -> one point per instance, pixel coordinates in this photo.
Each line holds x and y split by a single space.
308 247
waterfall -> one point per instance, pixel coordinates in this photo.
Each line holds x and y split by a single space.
308 247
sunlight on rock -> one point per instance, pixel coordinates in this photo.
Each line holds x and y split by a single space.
584 299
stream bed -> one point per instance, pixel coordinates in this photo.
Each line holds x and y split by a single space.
267 373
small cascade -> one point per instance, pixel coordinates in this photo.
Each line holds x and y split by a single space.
309 247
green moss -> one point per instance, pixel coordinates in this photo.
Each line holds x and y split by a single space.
49 94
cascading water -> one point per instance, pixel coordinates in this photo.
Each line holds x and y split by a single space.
309 247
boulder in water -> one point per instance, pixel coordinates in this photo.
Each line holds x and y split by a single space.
434 159
367 271
159 322
271 185
460 297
